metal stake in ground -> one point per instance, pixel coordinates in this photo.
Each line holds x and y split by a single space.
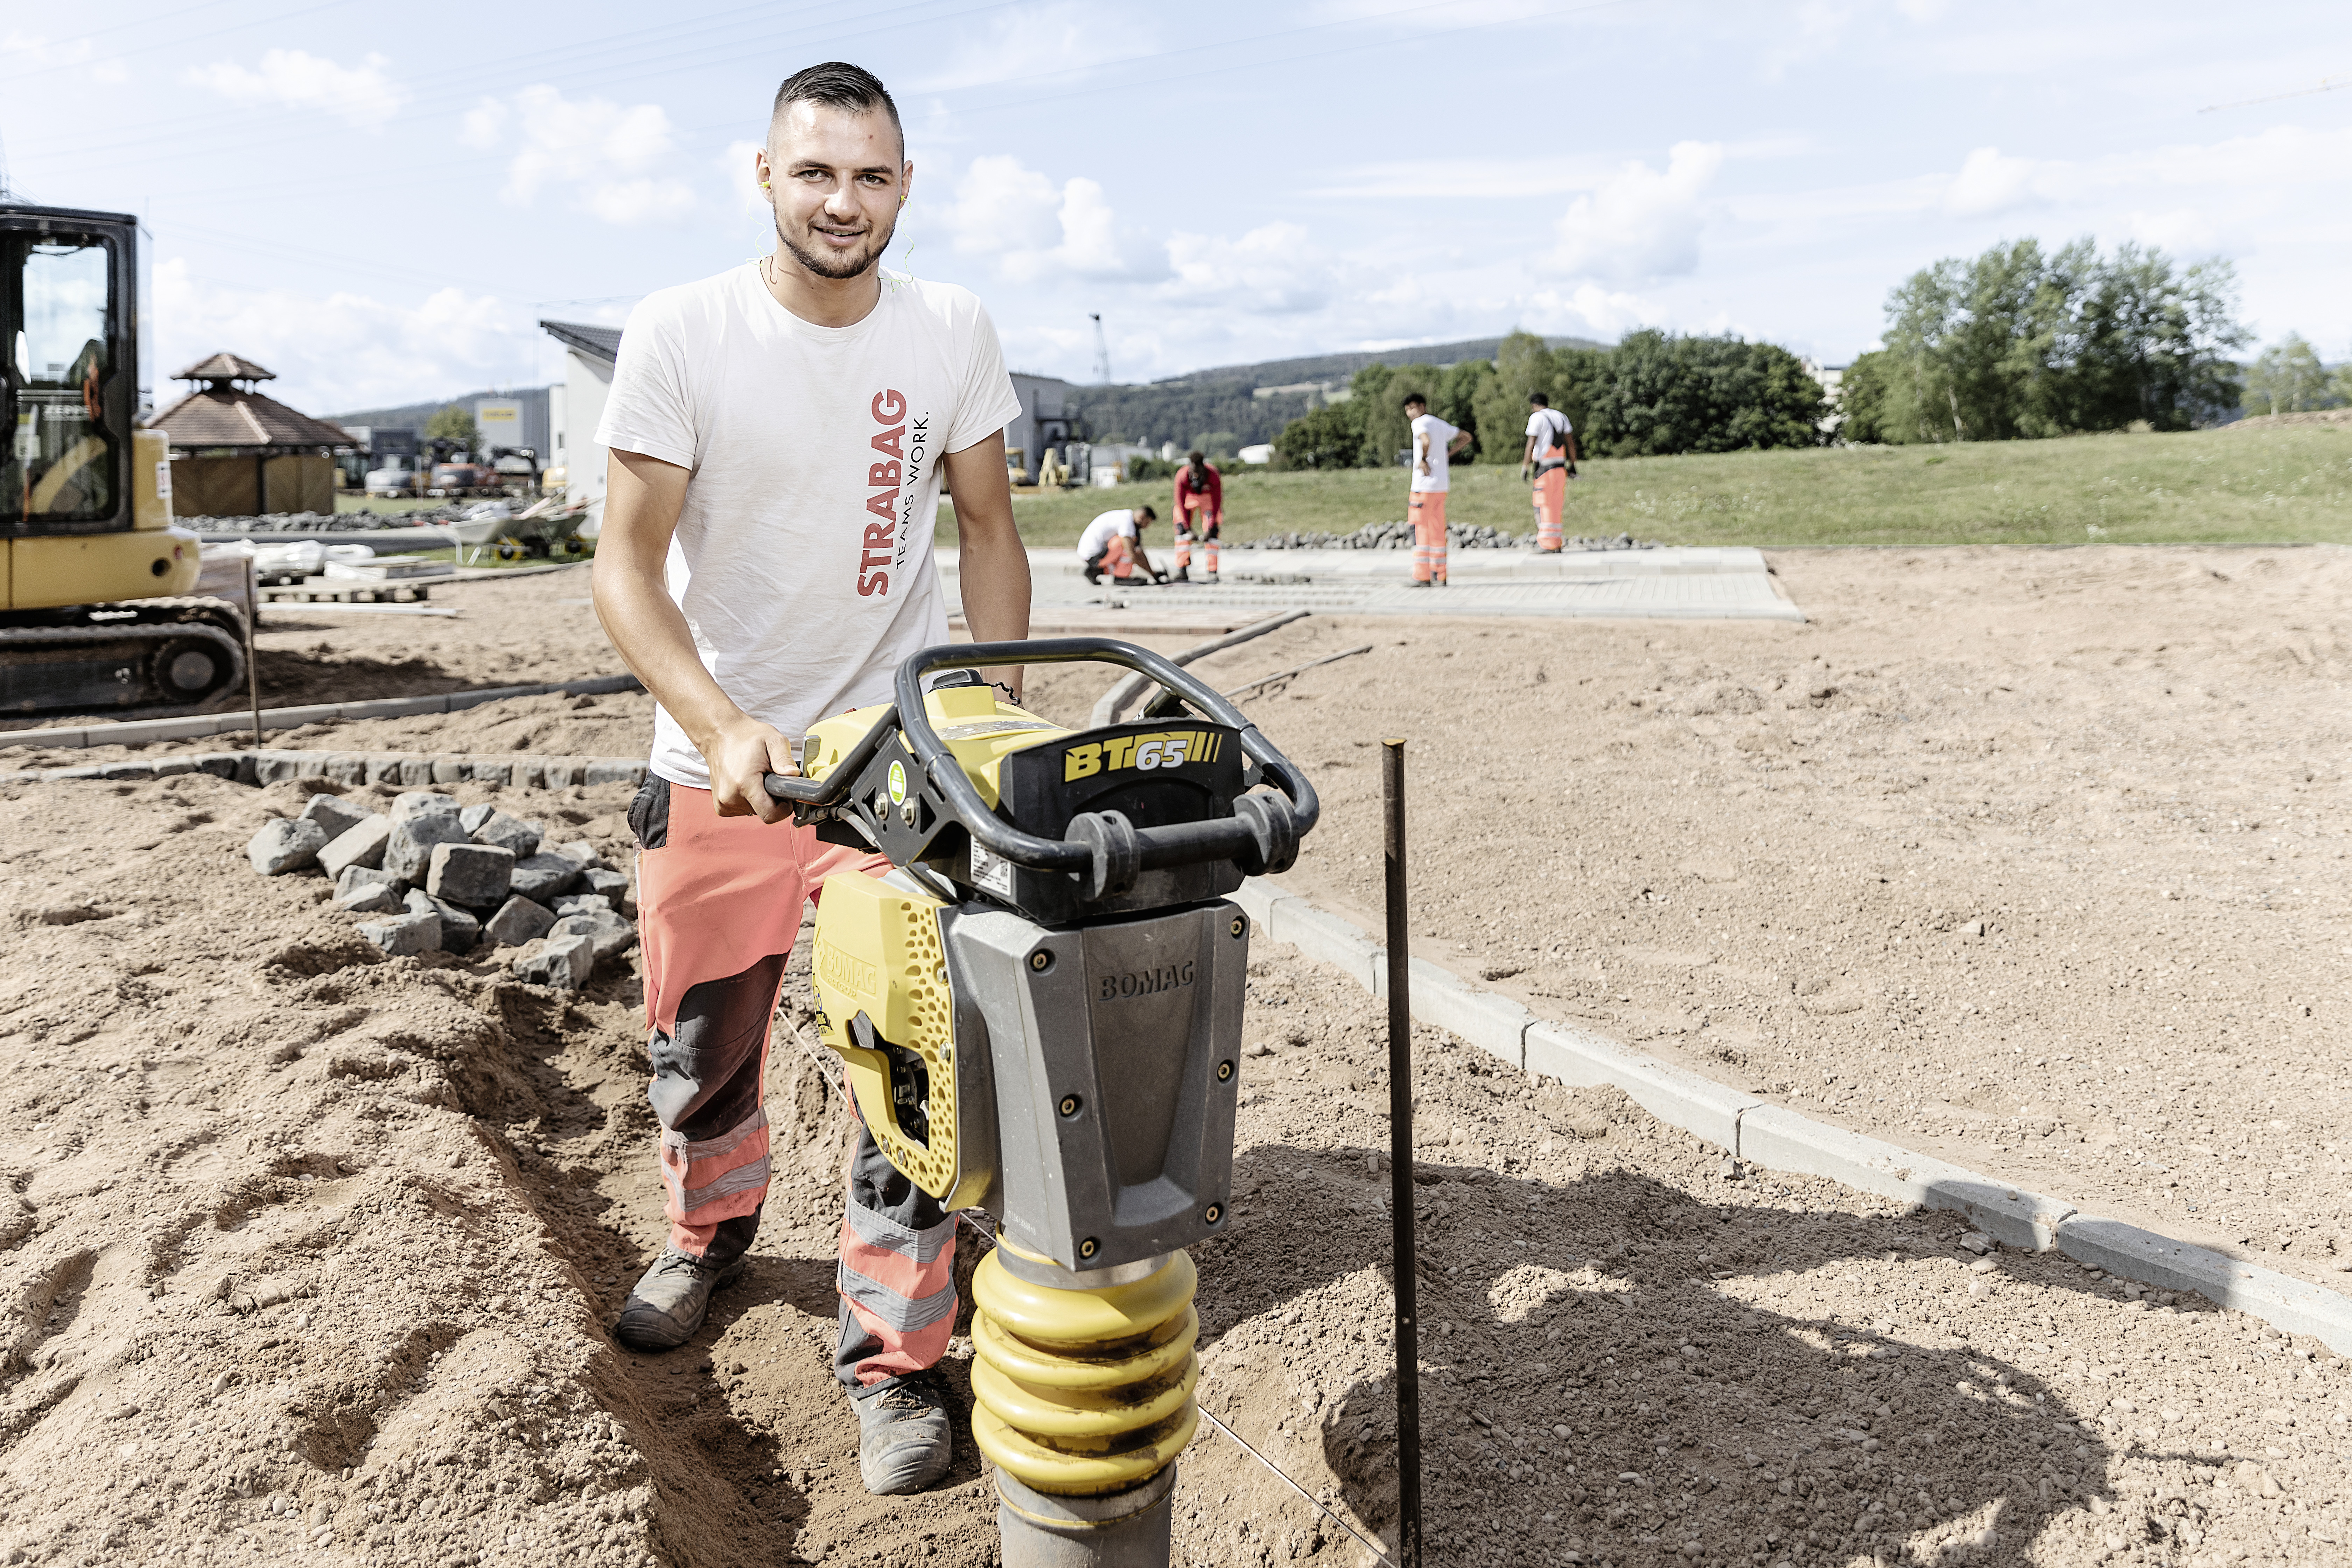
252 619
1408 1306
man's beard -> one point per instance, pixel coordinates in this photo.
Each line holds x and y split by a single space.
838 266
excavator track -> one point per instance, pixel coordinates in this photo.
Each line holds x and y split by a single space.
152 657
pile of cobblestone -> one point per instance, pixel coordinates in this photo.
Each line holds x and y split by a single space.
435 877
1398 536
361 521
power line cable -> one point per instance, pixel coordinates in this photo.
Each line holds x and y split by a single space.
2326 84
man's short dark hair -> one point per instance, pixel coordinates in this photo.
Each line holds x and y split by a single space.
837 85
1413 397
1149 515
1538 400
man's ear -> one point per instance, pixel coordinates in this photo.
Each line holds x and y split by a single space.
906 180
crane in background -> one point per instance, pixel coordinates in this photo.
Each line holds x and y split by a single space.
1102 350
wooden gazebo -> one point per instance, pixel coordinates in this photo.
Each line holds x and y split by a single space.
237 453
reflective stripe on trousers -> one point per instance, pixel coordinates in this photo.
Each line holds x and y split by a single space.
709 887
1428 509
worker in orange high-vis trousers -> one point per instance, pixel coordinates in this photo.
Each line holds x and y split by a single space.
756 586
1550 460
1199 512
1434 442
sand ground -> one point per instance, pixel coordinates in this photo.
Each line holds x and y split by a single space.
313 1249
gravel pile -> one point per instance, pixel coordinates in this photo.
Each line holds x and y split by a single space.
433 877
362 521
1398 536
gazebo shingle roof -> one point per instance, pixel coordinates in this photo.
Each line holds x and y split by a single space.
219 415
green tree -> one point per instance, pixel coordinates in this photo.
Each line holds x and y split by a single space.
454 423
1660 393
1331 436
2287 378
1523 365
1862 399
2023 343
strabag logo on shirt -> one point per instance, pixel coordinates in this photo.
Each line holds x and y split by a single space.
904 444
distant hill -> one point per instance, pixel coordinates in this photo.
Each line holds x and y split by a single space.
1184 407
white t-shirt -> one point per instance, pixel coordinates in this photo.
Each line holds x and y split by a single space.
1550 427
1102 530
803 556
1439 433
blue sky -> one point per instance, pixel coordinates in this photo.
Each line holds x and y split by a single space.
380 201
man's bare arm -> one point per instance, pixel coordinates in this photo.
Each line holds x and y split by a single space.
993 565
643 497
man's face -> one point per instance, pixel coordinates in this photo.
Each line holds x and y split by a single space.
1415 410
837 180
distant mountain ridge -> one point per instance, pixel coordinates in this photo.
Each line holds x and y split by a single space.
1220 401
1339 366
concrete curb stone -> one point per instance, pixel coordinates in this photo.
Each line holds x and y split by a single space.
1781 1139
2291 1304
408 771
189 727
1493 1023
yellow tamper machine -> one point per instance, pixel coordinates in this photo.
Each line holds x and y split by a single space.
1040 1007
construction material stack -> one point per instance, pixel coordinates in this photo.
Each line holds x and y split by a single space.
1040 1010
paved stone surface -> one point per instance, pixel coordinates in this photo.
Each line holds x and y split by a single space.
1667 583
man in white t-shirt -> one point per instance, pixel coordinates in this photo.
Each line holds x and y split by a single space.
779 433
1434 441
1112 546
1550 461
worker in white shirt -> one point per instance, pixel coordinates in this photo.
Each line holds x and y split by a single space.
1434 441
1112 546
1550 460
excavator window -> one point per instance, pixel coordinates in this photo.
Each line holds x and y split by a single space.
56 297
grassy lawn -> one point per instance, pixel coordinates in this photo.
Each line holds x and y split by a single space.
2285 484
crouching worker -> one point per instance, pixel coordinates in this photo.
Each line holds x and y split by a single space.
1112 546
757 585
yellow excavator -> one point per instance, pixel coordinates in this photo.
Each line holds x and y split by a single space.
95 585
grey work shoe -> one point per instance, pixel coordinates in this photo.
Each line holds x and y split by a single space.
905 1440
667 1304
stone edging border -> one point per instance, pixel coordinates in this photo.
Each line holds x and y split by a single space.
194 726
1779 1139
262 766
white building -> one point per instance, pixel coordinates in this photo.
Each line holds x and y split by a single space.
575 406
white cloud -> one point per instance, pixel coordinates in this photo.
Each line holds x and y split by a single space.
2182 230
1989 183
1031 42
742 177
1272 270
1587 311
364 94
612 160
1033 229
343 351
1641 223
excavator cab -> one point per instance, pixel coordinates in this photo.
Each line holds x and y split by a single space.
70 392
93 576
